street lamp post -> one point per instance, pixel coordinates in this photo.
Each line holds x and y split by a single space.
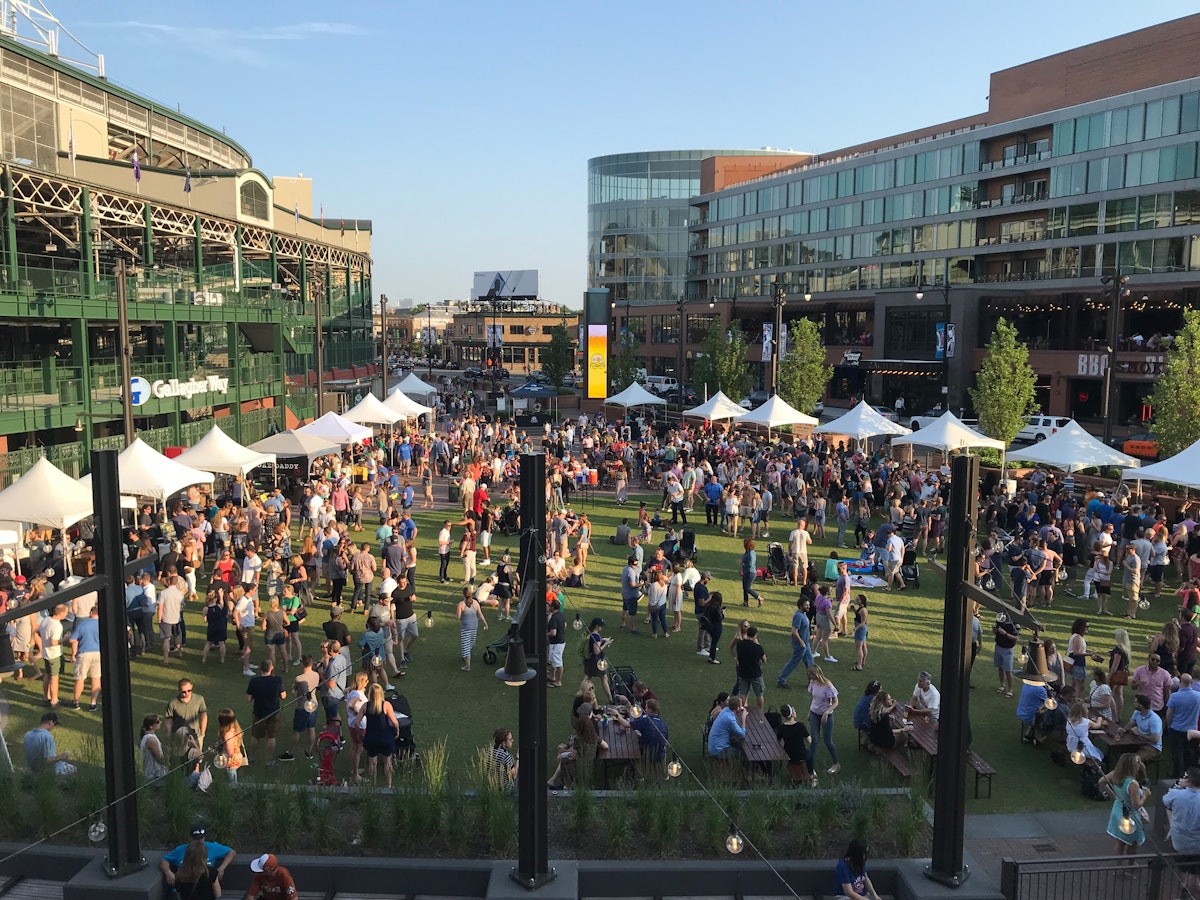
683 337
125 348
779 301
383 301
429 339
1115 287
944 290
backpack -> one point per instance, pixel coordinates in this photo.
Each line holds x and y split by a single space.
1090 783
585 646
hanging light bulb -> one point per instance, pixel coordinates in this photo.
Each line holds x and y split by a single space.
1077 757
377 661
1127 825
429 619
674 768
97 832
1051 703
735 842
310 705
602 665
578 623
1023 658
221 759
635 711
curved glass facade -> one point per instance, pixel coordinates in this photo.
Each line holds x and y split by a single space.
638 206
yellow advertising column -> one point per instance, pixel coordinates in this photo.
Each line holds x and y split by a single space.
597 312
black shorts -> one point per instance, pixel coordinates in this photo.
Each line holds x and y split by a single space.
293 627
278 639
1155 573
1046 579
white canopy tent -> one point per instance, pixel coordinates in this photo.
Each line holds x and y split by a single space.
370 410
861 423
144 472
635 395
219 452
1183 469
45 495
413 386
715 408
293 443
1070 449
404 406
333 427
776 412
947 433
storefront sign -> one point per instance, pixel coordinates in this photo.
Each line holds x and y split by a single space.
851 357
1096 364
211 384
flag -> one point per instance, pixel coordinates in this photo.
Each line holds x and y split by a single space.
322 215
297 210
767 335
71 143
187 182
343 226
137 167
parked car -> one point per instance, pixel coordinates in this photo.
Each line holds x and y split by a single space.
540 377
1038 428
887 413
819 408
755 400
473 372
497 372
684 396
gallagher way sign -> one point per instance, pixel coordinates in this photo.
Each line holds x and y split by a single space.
211 384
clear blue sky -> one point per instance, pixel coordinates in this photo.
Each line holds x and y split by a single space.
463 130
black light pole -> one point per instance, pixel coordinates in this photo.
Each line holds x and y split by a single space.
533 836
1115 287
125 350
944 290
779 300
383 301
429 339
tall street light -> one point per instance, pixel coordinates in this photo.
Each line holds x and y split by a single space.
683 336
1115 288
944 290
125 350
383 302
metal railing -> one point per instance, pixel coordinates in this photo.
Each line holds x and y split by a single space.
1139 877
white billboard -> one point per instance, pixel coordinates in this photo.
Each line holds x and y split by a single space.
505 283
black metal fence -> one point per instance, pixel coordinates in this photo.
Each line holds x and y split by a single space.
1142 877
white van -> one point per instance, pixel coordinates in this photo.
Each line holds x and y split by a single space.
1038 428
660 384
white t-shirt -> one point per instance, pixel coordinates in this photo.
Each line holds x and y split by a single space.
798 542
444 541
356 700
895 548
51 629
930 699
243 612
251 568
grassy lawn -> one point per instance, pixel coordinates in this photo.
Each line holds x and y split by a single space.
464 708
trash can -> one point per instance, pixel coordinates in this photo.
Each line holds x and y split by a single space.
454 490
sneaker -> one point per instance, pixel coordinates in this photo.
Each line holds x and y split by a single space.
388 687
93 707
834 769
714 662
307 755
781 684
407 657
248 672
702 653
251 667
286 757
830 659
487 562
74 704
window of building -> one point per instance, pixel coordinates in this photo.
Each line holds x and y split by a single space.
698 326
28 132
1084 219
515 329
665 329
254 200
912 333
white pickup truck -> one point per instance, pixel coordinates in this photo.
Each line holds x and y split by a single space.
916 423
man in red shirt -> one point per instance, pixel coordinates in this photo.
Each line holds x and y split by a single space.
270 879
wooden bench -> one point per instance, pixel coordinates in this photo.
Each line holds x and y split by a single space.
897 758
983 770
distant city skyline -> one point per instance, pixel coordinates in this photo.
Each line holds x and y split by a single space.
463 131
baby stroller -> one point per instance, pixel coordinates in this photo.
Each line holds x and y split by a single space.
687 546
406 747
510 518
908 566
330 743
777 563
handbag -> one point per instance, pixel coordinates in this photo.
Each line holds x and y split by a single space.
1119 678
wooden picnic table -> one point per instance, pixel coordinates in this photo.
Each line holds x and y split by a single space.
1116 741
924 734
762 746
623 748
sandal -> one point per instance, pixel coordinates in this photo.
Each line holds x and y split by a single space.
1008 693
856 668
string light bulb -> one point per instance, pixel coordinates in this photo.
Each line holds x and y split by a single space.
429 619
221 759
602 665
1077 756
1127 825
735 842
578 623
377 661
635 711
674 768
310 705
1051 703
97 832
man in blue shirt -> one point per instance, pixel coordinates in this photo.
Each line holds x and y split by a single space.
41 751
1146 722
219 857
407 527
85 651
712 501
1183 813
1183 711
652 732
728 731
801 651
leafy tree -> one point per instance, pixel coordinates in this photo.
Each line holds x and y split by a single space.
624 363
1176 396
1004 388
723 365
803 374
559 356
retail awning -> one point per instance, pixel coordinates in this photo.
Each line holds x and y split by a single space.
903 366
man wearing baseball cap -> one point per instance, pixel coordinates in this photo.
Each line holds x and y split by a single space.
270 879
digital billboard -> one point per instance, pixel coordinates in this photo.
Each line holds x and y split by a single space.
507 284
